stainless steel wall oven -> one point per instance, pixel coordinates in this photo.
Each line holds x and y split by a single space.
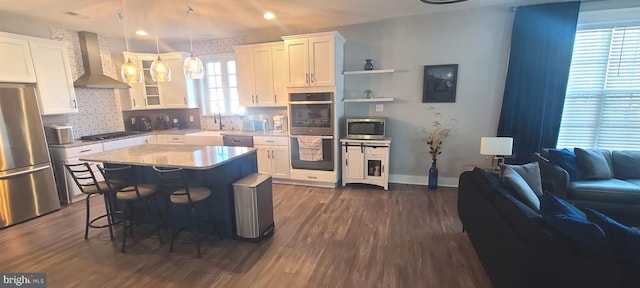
305 154
311 113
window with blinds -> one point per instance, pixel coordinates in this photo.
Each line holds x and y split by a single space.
602 104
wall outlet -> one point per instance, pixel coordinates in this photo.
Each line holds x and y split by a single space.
379 107
190 118
133 120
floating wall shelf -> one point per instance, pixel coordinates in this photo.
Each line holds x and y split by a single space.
369 72
369 100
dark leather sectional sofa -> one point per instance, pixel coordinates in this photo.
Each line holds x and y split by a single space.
518 248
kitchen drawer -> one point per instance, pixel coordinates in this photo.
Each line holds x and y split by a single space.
381 151
170 139
83 150
313 175
270 141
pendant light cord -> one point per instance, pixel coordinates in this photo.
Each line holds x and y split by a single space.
124 28
189 11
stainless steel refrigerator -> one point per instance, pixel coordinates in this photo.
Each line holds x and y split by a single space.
27 186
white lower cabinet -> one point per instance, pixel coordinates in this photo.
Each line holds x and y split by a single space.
365 161
67 188
273 156
170 139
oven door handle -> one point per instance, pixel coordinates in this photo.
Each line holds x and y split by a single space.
310 102
323 137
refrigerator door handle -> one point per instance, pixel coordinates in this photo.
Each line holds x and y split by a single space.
28 171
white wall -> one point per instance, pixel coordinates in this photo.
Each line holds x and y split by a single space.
476 40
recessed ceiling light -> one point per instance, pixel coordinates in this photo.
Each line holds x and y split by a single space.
142 33
269 16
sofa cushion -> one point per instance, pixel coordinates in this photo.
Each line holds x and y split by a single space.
572 223
530 172
487 181
623 241
522 190
593 164
612 191
524 220
566 159
626 164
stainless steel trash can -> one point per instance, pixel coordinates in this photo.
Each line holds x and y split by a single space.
254 207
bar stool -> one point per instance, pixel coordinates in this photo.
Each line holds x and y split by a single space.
88 184
174 180
124 176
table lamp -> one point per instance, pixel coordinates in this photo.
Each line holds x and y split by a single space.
498 147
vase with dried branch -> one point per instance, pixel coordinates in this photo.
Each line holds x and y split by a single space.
434 140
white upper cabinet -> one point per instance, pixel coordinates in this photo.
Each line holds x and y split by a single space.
56 94
311 58
280 81
177 93
17 66
260 73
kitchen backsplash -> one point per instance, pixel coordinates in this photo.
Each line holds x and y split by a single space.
235 122
183 116
99 109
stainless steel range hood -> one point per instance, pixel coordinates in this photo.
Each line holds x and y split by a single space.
93 74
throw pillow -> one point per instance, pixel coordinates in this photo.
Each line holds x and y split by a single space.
593 164
530 172
522 190
626 164
566 159
623 241
572 223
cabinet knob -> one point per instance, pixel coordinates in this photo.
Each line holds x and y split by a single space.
312 78
256 99
75 103
275 98
306 75
134 102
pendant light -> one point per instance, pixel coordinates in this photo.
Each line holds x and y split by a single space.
193 68
160 71
129 71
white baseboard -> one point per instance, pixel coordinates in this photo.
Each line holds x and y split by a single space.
422 180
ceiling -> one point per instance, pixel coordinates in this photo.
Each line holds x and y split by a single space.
223 18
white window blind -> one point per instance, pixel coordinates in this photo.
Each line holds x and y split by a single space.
221 91
602 104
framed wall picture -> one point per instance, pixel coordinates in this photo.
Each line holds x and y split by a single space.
440 83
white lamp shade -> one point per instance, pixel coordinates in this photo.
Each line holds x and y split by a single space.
496 145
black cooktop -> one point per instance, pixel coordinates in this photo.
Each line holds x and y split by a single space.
110 135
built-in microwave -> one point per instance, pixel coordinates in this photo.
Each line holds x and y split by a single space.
370 128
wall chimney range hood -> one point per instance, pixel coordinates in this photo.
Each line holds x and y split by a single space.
93 74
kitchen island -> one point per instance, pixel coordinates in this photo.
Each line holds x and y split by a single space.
215 167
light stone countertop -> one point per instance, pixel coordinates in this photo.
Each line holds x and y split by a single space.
79 142
197 157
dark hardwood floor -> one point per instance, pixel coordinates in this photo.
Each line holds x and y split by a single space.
357 236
